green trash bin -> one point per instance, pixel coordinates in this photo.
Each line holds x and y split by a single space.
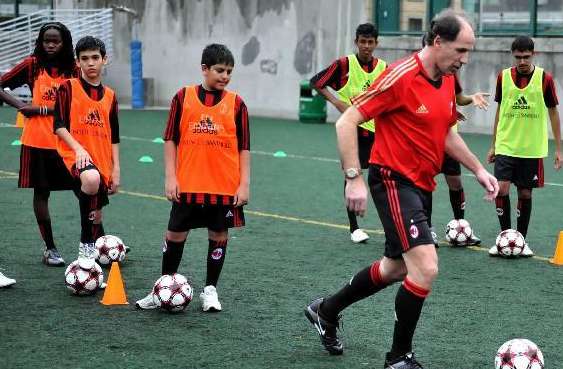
312 106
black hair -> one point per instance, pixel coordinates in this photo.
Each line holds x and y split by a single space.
90 43
445 24
522 43
217 54
64 59
367 30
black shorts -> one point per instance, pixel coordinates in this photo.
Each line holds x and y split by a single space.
523 172
101 199
404 211
184 216
365 142
450 166
43 169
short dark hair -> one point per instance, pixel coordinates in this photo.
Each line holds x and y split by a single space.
445 24
522 43
217 54
90 43
366 30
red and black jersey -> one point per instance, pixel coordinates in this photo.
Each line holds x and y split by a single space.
522 80
26 72
336 75
414 114
208 98
63 102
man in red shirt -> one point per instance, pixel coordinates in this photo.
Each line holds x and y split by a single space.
413 103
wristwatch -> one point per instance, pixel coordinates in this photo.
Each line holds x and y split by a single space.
352 173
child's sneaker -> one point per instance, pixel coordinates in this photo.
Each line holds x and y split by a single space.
146 303
51 257
210 299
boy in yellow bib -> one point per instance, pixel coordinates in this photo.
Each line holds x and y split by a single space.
526 97
349 76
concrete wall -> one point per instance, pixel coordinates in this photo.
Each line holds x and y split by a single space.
277 43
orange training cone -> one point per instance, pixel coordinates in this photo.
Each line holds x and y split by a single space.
115 292
19 120
558 257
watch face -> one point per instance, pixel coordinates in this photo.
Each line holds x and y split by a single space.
351 173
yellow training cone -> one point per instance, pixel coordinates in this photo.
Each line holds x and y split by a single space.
558 257
115 291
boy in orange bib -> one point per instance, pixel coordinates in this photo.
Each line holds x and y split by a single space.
87 127
207 164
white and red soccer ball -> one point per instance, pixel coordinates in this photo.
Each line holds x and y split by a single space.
510 242
172 292
81 280
109 249
458 231
519 354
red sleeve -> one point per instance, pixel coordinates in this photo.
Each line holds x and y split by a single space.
21 74
241 122
172 130
331 76
498 94
381 97
61 113
549 92
458 88
114 121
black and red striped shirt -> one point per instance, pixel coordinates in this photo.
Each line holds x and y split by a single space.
172 133
208 98
64 98
335 75
522 80
25 73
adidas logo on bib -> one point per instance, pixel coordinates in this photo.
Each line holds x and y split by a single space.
521 103
229 214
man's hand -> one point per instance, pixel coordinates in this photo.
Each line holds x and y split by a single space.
355 195
171 189
115 181
489 183
241 196
479 99
82 158
491 156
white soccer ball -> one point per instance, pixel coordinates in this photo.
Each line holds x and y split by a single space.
458 231
172 292
519 354
81 280
109 249
510 243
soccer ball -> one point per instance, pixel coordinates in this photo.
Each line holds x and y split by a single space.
109 249
458 231
172 292
519 354
510 243
83 281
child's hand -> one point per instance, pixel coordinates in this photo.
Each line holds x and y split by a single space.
241 196
82 158
115 182
171 189
29 110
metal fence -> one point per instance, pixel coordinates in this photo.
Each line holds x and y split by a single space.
17 36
